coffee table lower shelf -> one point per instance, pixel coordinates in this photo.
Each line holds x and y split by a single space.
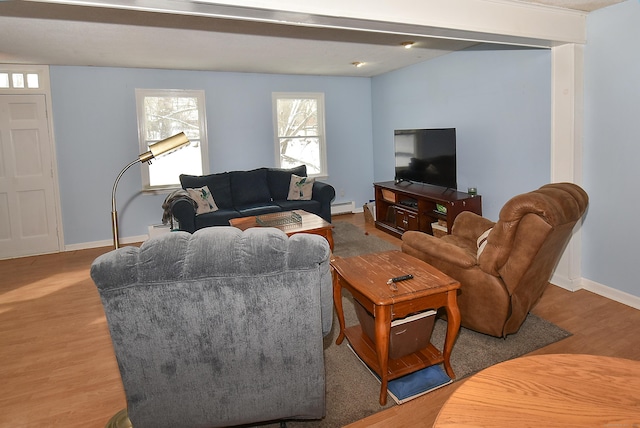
398 367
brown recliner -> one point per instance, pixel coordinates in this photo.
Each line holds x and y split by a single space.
503 279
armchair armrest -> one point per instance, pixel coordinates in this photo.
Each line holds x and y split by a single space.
184 211
469 225
326 297
429 248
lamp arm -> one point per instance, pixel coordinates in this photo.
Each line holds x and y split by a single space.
114 212
115 184
165 146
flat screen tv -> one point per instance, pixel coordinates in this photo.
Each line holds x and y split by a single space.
426 156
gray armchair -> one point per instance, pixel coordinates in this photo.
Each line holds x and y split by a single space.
219 328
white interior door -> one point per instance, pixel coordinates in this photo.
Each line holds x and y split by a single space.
28 222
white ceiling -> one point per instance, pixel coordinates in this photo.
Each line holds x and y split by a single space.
63 34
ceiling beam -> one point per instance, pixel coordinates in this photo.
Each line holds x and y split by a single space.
494 21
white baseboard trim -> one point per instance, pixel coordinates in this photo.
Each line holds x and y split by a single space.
611 293
105 243
597 288
566 283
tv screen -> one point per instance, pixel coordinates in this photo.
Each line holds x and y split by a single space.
426 156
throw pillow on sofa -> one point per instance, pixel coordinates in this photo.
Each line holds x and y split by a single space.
300 188
279 180
203 199
219 185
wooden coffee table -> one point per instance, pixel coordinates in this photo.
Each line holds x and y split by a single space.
365 277
310 223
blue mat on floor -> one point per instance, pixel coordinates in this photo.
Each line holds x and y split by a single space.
415 384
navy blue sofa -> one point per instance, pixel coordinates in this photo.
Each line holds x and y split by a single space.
249 193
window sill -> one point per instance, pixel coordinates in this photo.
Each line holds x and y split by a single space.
163 190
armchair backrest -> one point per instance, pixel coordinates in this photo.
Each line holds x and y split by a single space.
219 328
529 238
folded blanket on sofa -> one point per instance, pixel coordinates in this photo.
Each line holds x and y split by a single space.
167 215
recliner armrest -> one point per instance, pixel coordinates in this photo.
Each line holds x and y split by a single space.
427 247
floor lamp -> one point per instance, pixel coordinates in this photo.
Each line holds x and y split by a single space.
163 147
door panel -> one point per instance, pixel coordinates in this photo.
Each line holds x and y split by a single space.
28 223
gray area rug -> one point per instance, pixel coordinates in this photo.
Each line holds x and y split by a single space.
352 392
350 240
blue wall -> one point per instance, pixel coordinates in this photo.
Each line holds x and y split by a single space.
612 147
499 101
95 129
501 111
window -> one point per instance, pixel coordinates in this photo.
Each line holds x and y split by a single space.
299 129
19 80
161 114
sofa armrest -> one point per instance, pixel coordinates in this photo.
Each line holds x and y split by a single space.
469 225
430 249
184 211
323 193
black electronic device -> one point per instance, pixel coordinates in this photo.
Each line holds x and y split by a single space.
426 156
409 203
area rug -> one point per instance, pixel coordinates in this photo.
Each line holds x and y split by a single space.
352 392
350 240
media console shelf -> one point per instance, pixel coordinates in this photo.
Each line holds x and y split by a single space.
411 206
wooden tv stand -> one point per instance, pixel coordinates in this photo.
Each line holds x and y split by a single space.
411 206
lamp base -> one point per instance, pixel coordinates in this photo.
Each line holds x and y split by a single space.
114 229
119 420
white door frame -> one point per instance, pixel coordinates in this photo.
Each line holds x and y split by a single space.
44 88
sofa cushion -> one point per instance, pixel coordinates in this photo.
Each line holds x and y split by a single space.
249 187
216 218
279 180
218 184
300 188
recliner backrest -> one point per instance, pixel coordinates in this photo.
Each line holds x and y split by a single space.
220 327
528 240
525 223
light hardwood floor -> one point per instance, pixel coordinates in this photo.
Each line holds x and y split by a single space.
57 366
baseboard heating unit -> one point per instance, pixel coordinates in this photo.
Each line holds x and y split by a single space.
343 208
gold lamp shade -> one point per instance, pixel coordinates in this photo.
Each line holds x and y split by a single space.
165 146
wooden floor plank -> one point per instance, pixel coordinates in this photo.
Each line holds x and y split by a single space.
58 368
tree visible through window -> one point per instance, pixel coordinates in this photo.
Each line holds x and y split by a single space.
161 114
299 123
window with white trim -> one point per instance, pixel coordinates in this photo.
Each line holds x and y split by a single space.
161 114
300 132
19 80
